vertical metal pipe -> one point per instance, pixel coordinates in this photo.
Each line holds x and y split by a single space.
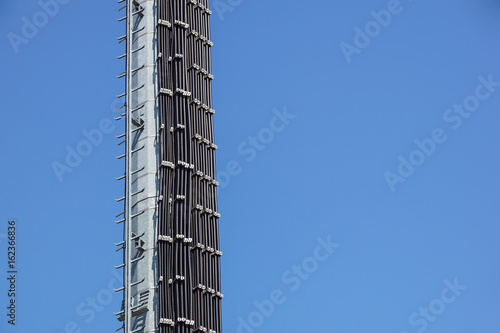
128 171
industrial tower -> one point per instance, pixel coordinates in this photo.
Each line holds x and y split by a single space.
171 260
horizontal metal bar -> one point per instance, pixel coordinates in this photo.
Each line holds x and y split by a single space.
135 215
138 30
135 89
138 68
137 259
137 236
143 199
119 289
138 330
138 192
140 48
136 283
139 11
138 108
136 171
138 306
138 128
136 150
120 266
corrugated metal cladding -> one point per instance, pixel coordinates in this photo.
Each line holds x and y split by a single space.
171 224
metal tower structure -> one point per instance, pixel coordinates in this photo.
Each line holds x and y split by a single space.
171 254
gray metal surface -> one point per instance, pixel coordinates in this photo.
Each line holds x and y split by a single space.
171 240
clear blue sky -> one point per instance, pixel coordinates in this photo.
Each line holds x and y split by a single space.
372 125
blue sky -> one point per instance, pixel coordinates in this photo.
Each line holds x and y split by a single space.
357 157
